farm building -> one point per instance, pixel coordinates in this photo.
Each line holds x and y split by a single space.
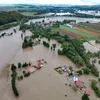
71 26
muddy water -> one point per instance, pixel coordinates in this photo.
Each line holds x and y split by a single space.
9 45
44 84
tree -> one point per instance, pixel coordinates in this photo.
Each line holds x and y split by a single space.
19 65
86 70
95 71
85 97
13 67
54 46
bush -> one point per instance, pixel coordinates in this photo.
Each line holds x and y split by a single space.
60 52
19 65
26 74
46 44
25 65
26 43
99 79
80 72
95 71
21 77
13 67
86 70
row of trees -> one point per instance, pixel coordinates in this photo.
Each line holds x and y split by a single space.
13 81
81 51
69 50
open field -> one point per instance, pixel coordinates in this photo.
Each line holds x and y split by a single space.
84 34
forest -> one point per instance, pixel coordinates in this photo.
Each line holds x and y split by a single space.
8 17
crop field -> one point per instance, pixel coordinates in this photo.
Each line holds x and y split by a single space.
71 34
94 27
87 31
77 31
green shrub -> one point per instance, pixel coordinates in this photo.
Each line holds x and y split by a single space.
60 52
21 77
80 72
95 71
86 70
19 65
13 67
25 65
46 44
26 74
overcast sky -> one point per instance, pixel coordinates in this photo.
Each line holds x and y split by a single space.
73 2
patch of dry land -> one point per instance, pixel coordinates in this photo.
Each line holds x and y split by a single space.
43 84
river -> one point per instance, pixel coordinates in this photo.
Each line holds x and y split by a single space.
92 20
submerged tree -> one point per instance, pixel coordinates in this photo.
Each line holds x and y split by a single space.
54 46
85 97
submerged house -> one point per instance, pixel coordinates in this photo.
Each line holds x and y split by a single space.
87 92
32 69
40 64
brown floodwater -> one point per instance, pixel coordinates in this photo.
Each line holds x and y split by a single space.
44 84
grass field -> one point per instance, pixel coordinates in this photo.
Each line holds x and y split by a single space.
83 34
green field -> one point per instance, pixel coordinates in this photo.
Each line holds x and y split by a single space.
84 34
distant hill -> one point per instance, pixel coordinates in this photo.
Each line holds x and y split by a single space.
8 17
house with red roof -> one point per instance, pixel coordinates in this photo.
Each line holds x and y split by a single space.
87 92
40 64
31 69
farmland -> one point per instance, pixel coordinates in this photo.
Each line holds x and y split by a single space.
94 27
79 32
71 34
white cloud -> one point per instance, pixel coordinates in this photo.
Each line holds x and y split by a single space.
74 2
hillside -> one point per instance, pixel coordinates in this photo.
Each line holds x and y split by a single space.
8 17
